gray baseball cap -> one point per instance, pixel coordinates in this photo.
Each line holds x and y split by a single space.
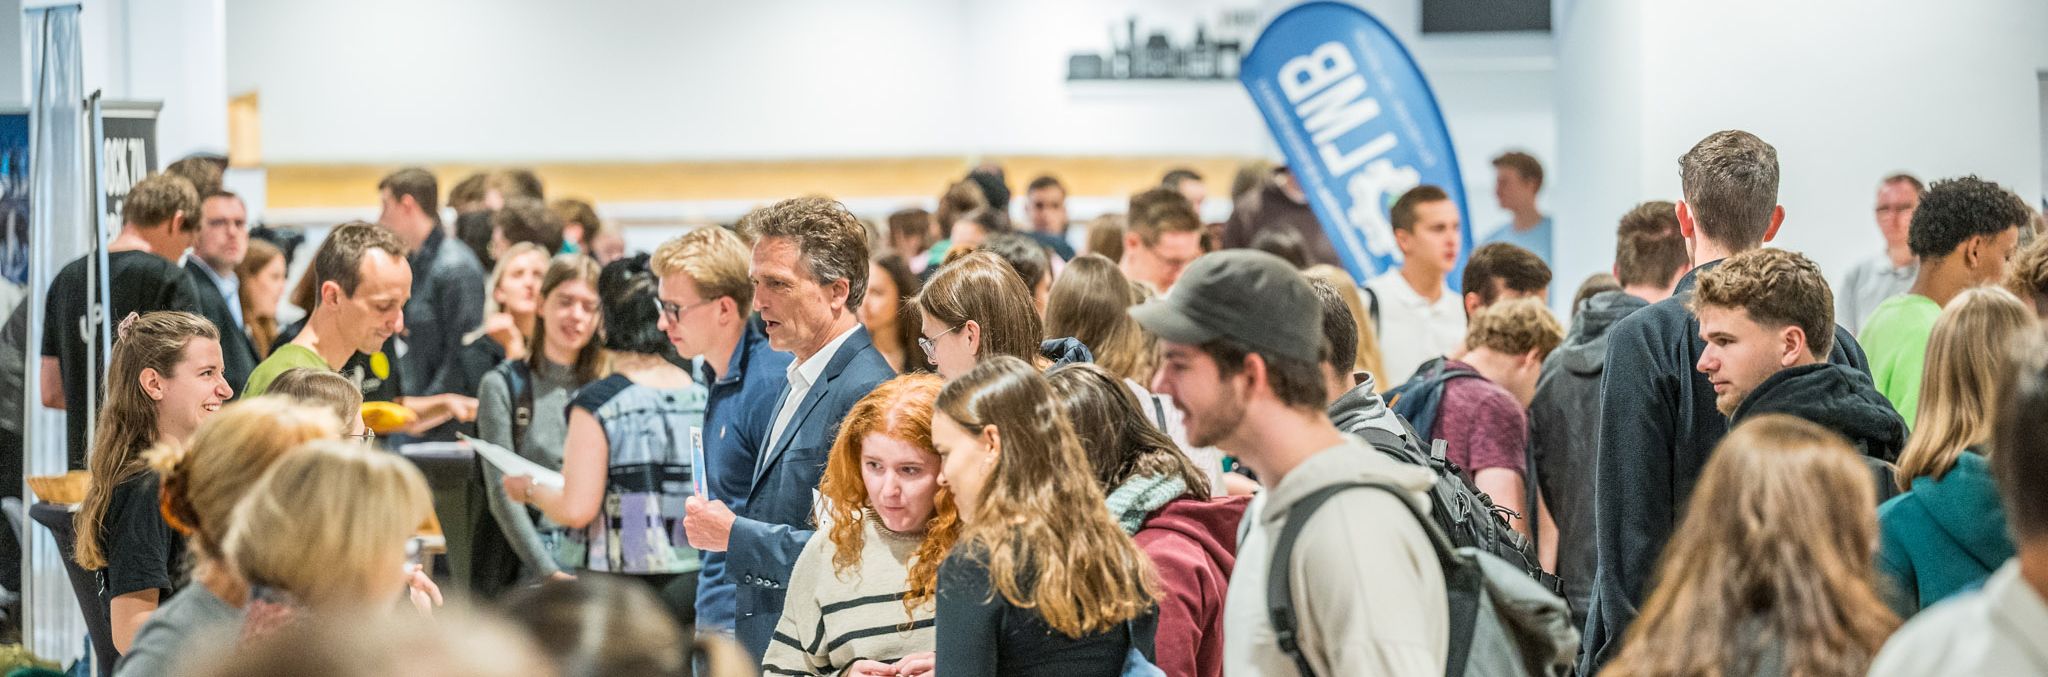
1247 296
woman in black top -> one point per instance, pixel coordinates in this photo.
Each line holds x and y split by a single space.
165 378
1042 583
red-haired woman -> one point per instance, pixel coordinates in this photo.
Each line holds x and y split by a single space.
887 525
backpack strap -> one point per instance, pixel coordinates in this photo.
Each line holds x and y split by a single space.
1459 576
519 383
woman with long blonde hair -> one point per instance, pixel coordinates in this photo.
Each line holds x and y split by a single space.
1947 532
165 378
1043 581
203 481
886 526
1770 572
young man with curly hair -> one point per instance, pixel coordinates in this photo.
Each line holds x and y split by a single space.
1964 232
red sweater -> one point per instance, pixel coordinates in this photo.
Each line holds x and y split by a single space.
1193 545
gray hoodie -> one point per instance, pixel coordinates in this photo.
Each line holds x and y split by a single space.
1564 433
1368 591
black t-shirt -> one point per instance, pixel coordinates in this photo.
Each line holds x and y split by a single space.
142 551
141 282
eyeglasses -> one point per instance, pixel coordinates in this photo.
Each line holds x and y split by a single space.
926 343
674 313
369 437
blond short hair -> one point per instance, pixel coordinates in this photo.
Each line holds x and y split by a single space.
1515 327
714 258
324 519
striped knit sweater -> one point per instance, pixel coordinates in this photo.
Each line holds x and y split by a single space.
832 620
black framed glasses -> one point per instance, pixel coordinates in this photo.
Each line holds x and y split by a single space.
674 313
926 343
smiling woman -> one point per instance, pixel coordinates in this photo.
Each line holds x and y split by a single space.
889 522
165 378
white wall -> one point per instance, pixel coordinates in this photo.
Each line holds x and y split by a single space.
173 51
387 81
1846 91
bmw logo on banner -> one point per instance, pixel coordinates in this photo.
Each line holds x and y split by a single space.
1358 124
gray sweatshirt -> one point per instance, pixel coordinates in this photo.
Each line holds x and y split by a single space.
553 386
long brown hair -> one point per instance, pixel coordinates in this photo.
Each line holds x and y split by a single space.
1775 550
203 480
1122 442
900 408
1974 347
1089 302
982 288
128 417
1085 575
261 322
563 269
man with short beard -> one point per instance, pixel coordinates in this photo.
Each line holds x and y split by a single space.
1241 345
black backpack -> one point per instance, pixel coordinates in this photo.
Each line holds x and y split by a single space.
1463 513
1500 622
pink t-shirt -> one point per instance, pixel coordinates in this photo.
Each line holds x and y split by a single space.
1482 426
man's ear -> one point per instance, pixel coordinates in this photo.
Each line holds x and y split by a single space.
1792 345
1685 224
838 292
1471 303
1255 373
1777 219
330 293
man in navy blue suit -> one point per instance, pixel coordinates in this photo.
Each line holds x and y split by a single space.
810 271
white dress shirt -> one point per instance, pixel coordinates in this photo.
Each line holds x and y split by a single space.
1414 329
802 375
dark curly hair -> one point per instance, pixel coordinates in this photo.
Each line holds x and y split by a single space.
1954 210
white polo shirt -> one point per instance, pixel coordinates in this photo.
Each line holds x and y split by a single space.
1414 329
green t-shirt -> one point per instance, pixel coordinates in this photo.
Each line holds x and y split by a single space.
1895 339
291 356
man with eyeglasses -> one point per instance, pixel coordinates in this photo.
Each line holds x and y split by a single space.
704 298
1889 273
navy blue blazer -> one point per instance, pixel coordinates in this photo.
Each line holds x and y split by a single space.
775 522
237 352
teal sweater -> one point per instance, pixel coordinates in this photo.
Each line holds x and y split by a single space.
1944 536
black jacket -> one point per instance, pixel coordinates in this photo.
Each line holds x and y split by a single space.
1564 432
237 352
1658 423
1840 399
1836 397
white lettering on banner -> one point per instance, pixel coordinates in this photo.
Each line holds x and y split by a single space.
1330 98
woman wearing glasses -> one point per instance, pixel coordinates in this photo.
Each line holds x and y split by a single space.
626 466
977 306
523 406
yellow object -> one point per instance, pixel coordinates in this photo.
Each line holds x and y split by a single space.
385 418
381 366
62 489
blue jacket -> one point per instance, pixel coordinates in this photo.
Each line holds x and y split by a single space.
1943 537
775 521
736 420
1658 424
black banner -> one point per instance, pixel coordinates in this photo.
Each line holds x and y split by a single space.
127 151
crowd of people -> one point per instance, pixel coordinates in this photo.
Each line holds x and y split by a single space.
946 442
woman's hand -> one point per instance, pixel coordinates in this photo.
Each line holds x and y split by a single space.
519 487
421 589
505 330
871 669
918 664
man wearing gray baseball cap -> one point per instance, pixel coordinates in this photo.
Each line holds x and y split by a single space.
1240 348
